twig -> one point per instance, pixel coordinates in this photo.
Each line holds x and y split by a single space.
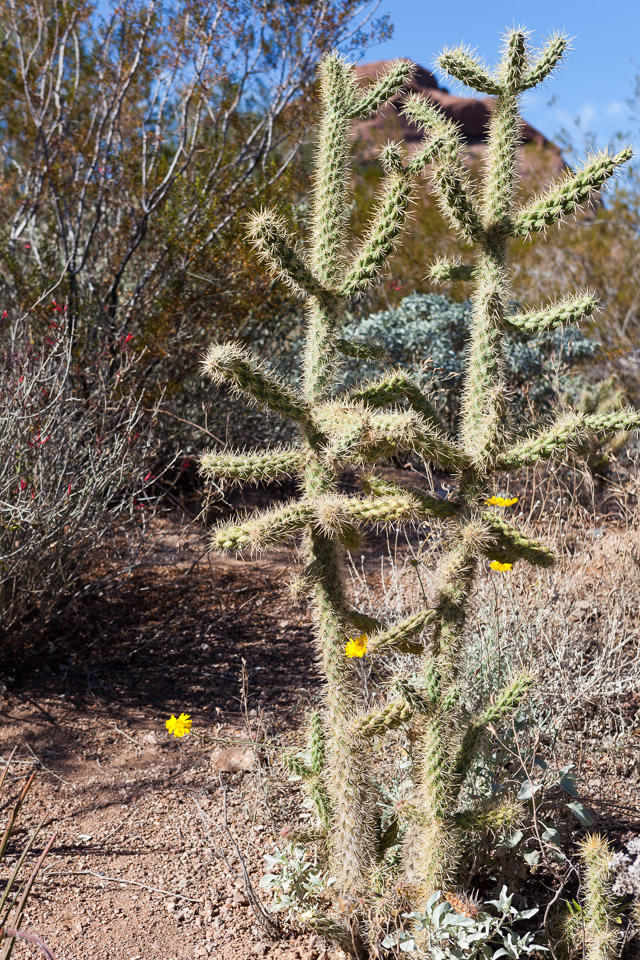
29 937
47 769
272 928
102 876
116 727
198 426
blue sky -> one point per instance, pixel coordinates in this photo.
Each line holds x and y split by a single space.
596 80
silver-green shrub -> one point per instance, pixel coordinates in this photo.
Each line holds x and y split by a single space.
427 335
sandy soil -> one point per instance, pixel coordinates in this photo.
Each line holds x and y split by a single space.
152 832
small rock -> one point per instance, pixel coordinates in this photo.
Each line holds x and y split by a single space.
231 760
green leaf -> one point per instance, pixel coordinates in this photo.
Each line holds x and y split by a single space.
585 817
551 835
568 784
528 790
532 857
513 839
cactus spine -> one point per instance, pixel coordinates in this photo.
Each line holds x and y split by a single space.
325 277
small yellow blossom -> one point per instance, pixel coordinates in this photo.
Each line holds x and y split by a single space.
357 646
497 565
179 726
497 501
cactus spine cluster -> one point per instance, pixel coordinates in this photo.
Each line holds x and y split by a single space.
389 416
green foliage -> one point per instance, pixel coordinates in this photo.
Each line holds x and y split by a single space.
475 934
426 336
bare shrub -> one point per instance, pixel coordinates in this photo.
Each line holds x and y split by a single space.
74 449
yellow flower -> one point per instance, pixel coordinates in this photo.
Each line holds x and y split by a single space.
497 565
497 501
357 646
179 726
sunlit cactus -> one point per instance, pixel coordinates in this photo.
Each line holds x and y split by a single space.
390 416
325 276
487 217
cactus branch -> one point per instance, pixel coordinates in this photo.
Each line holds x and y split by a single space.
460 63
233 365
509 544
566 194
256 466
393 387
567 310
385 87
544 65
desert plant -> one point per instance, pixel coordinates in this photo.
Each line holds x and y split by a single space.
595 926
355 430
74 456
325 280
457 927
15 894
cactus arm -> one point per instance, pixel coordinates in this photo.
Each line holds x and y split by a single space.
356 435
449 177
399 636
277 248
330 198
448 270
460 63
257 466
601 938
547 61
509 544
566 194
233 365
263 530
385 87
572 433
506 704
382 233
296 766
395 386
376 723
429 505
567 310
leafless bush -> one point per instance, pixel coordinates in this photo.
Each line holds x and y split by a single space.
74 449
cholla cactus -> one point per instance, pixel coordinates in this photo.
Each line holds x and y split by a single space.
487 218
596 928
390 416
325 277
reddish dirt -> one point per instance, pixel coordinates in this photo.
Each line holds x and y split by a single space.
131 803
149 829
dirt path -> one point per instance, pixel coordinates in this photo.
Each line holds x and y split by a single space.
145 863
131 803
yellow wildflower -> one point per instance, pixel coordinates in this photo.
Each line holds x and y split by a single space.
497 501
497 565
179 726
357 646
